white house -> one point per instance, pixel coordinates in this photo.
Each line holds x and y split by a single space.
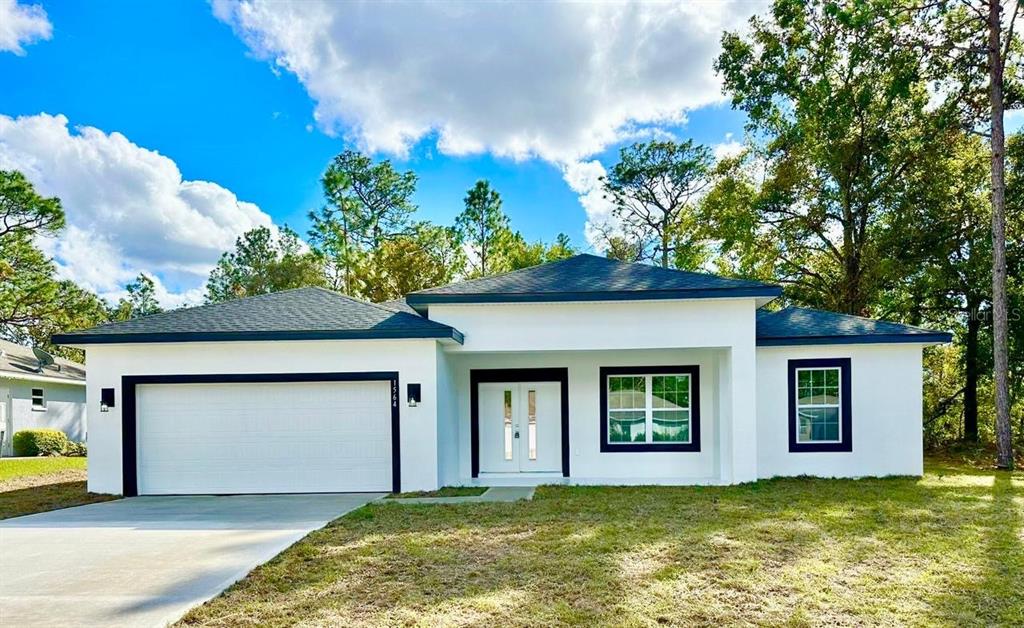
585 370
33 396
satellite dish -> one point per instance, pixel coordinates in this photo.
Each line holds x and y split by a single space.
45 359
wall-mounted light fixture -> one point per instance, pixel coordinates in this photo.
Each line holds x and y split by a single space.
414 395
106 399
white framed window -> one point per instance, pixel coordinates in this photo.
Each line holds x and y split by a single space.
819 405
650 409
38 399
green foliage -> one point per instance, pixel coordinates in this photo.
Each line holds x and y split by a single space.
655 187
23 210
34 303
366 224
484 228
841 109
619 246
76 450
261 264
374 198
428 256
28 443
952 40
141 300
514 252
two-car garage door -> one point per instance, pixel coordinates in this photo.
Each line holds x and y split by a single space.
280 437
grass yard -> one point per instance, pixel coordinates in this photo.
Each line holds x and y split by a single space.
31 485
445 491
947 549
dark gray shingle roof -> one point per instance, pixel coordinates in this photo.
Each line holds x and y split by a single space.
591 278
300 314
797 325
399 305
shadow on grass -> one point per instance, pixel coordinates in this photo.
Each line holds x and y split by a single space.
945 549
36 499
991 591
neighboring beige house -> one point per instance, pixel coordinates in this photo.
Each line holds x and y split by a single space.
33 397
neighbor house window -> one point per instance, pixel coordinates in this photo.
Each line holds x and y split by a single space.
38 400
650 409
819 405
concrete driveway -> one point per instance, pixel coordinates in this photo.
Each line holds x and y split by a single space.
145 561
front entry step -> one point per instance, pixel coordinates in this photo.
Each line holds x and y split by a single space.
520 479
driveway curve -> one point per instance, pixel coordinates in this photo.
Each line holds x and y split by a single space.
145 561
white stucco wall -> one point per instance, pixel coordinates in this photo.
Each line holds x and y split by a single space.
447 421
598 325
723 328
744 416
885 407
587 464
415 361
65 408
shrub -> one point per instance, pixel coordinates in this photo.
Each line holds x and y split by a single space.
39 443
75 450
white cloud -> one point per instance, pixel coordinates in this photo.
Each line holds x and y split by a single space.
22 24
585 178
560 81
727 148
128 208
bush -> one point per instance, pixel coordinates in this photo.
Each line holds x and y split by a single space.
75 450
39 443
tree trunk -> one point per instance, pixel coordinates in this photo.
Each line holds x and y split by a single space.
971 372
851 301
483 247
1004 441
664 244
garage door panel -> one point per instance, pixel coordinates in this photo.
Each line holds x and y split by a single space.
264 438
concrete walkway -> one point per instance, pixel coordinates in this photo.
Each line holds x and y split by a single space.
493 494
145 561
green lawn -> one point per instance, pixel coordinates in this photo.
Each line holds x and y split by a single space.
942 550
31 485
11 468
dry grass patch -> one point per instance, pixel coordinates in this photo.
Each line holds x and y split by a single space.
445 491
942 550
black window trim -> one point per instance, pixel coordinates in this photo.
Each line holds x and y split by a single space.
692 370
846 416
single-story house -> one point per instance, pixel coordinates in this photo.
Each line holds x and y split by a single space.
585 370
36 394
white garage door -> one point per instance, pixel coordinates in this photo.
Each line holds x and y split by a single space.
263 438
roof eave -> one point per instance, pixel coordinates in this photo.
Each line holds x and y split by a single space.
445 333
29 377
419 300
923 338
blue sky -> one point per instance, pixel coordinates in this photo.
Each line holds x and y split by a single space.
173 126
173 78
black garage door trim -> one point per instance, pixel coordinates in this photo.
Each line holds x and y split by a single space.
129 455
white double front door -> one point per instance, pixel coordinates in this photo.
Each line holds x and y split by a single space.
520 427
